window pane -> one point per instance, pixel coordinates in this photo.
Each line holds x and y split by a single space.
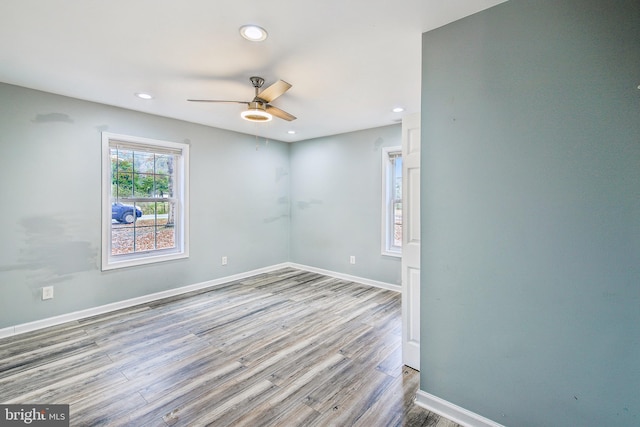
162 219
397 224
169 216
123 185
397 178
166 237
143 162
145 238
121 160
162 163
162 186
143 184
121 240
161 209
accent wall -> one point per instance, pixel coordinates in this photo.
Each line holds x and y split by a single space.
530 195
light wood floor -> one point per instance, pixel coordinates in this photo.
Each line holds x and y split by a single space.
288 348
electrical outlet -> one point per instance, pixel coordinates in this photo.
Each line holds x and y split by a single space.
352 259
47 292
224 260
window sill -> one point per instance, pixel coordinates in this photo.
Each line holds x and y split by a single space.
395 254
132 262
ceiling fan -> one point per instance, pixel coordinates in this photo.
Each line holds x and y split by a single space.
260 109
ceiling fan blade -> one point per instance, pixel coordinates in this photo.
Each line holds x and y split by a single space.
280 113
274 91
217 100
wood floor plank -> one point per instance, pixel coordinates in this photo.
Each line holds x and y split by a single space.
284 348
164 397
228 412
199 411
397 402
98 412
266 415
349 403
189 379
29 360
13 386
65 389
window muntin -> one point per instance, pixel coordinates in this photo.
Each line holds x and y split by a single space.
392 201
145 201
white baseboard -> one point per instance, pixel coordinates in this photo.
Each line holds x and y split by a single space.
364 281
453 412
7 332
82 314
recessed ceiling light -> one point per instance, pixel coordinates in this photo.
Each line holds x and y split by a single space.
253 33
291 132
398 110
143 95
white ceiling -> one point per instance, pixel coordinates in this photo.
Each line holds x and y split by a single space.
349 61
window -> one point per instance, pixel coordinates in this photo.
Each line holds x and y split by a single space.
392 201
144 201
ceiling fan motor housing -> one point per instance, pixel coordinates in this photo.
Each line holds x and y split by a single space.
257 82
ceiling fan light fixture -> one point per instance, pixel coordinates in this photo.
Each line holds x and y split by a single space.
253 33
256 115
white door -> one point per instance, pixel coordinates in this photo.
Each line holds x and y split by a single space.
411 241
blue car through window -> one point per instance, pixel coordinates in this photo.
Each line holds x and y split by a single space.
125 213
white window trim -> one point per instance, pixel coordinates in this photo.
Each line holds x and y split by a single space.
387 188
182 242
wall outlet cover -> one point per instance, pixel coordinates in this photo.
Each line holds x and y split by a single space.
47 292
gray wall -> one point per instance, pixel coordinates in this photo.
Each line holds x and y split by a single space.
50 187
335 203
240 204
531 213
